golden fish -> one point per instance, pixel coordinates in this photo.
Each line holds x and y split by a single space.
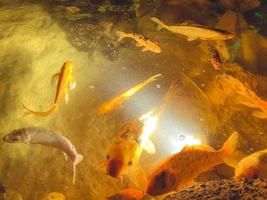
140 41
117 101
180 169
195 31
128 194
123 157
254 165
65 82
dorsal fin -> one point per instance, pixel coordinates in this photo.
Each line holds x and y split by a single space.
198 147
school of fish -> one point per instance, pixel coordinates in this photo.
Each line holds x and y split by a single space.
176 172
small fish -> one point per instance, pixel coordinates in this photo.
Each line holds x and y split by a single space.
117 101
195 31
54 196
254 165
65 82
215 58
140 41
128 194
43 136
179 170
123 157
73 9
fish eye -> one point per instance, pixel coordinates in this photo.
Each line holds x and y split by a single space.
130 163
107 157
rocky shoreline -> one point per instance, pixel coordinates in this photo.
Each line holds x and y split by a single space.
227 189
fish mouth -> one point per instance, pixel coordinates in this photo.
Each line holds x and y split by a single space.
114 167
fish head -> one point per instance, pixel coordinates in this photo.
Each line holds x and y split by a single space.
16 136
161 183
156 49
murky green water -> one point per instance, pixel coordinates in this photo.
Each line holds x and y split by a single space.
36 40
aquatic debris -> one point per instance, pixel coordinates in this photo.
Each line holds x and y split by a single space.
195 31
215 58
128 194
254 165
117 101
73 9
54 196
179 170
140 41
44 136
65 82
195 85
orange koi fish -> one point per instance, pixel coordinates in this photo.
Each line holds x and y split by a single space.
127 194
117 101
140 41
180 169
254 165
65 82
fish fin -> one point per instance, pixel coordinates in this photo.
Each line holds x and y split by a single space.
72 84
198 147
160 24
189 39
78 159
66 95
43 114
145 49
121 35
102 165
138 44
54 77
260 114
65 156
229 150
150 147
138 175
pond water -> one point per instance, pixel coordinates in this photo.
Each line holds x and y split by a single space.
36 38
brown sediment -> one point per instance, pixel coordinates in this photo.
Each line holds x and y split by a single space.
226 189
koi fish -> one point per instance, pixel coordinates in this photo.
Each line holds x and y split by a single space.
65 82
141 41
117 101
123 157
253 101
254 165
179 170
43 136
215 58
195 31
128 194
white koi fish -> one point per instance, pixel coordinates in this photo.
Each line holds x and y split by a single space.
43 136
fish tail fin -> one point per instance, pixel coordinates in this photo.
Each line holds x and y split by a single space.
160 24
153 78
229 150
78 159
43 114
121 35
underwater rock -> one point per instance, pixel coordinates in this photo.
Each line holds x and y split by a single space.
245 5
226 189
85 36
228 21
